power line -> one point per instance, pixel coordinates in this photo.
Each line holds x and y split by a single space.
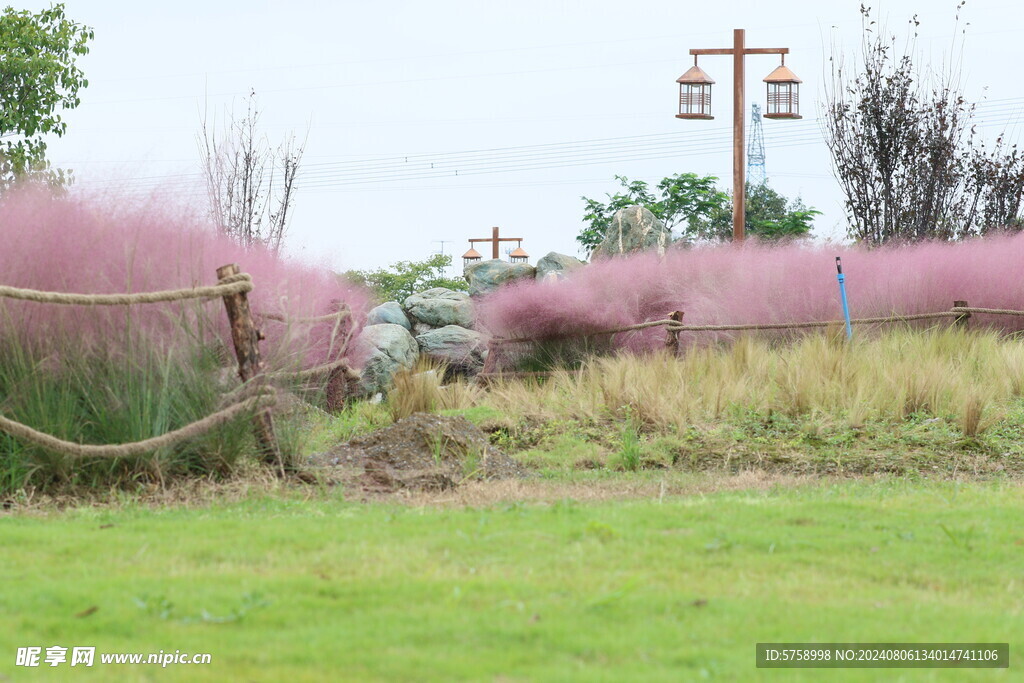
528 157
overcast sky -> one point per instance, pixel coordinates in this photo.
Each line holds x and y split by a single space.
435 121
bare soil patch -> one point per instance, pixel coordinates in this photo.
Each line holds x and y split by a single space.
423 452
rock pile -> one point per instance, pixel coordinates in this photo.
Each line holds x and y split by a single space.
436 324
439 323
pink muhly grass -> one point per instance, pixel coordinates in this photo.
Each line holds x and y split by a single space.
111 245
759 283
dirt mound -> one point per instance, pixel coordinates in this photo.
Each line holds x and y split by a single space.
423 452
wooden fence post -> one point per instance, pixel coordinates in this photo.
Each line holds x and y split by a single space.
491 362
962 320
672 340
246 338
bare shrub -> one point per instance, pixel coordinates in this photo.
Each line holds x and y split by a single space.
904 147
250 184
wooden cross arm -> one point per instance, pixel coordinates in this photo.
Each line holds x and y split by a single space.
747 51
500 239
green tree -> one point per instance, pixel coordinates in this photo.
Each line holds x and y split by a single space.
767 215
699 210
681 197
405 278
38 80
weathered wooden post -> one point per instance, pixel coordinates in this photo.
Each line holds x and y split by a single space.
672 339
491 362
962 320
246 338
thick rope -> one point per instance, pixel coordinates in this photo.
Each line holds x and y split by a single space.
310 372
340 315
257 386
124 450
823 323
992 311
232 284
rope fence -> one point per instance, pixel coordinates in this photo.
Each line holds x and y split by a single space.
233 284
674 326
125 450
309 372
329 317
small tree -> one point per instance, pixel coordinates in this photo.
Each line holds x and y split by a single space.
768 215
699 210
905 152
250 185
405 278
995 185
38 80
682 198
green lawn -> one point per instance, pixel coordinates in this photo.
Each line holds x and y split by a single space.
287 589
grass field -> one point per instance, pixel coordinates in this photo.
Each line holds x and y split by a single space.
679 585
676 512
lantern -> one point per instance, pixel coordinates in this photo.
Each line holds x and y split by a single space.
470 257
783 93
518 255
694 94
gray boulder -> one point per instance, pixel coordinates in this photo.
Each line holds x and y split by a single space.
461 349
439 306
633 229
388 313
384 350
486 276
559 264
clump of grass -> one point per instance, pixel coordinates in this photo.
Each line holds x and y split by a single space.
438 445
976 411
420 390
630 450
415 390
472 464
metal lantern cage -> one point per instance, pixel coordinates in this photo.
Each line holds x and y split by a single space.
470 257
783 93
695 94
519 255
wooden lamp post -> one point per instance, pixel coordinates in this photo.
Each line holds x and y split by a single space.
783 103
494 239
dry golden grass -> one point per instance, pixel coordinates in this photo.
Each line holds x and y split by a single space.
420 390
967 376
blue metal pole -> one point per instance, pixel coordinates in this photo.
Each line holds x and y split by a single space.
842 293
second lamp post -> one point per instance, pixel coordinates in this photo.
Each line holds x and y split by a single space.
695 103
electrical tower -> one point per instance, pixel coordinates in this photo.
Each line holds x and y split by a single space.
756 173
